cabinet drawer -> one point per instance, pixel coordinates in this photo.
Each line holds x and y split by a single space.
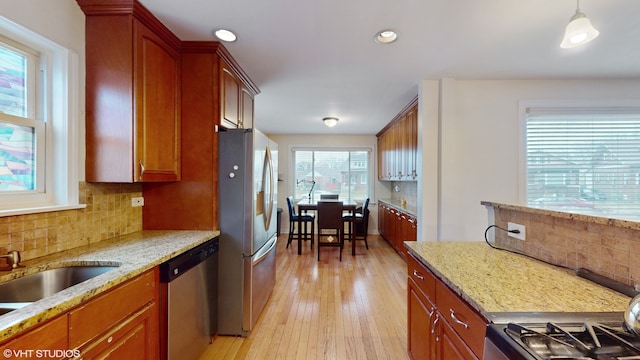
422 277
50 336
101 313
129 337
463 319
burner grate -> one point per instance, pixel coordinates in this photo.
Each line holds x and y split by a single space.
585 341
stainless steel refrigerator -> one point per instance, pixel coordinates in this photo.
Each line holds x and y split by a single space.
247 209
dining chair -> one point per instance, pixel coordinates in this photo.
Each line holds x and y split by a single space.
328 196
304 219
330 225
360 223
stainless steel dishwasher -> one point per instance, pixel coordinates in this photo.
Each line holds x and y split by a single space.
189 297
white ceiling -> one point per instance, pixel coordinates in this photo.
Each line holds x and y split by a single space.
317 58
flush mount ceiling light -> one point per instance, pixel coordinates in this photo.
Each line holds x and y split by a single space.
330 121
386 37
225 35
579 30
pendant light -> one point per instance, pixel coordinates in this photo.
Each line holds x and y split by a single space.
579 30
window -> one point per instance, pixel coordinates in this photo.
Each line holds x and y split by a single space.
38 115
21 135
326 171
584 160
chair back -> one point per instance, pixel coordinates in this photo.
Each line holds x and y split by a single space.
328 196
292 208
365 206
329 215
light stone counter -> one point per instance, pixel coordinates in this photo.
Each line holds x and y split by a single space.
494 281
411 210
134 253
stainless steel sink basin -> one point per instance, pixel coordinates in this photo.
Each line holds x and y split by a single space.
22 291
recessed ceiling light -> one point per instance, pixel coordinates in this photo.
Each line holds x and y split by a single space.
225 35
386 36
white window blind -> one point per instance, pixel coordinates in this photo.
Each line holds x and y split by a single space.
584 160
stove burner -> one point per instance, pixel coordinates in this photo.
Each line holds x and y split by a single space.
583 341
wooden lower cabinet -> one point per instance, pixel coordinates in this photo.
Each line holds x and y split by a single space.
396 226
421 341
48 338
440 324
131 339
451 346
119 324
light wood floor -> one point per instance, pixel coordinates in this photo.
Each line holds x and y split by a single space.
354 309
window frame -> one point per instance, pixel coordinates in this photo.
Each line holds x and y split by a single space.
370 167
563 107
33 119
56 109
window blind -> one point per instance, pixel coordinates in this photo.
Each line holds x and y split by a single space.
584 160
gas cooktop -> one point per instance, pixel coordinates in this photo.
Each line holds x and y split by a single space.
567 338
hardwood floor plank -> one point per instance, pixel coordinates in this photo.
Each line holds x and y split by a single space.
327 309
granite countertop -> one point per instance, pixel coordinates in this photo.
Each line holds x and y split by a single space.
411 210
133 253
495 281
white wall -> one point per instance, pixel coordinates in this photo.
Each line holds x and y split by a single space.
61 21
285 168
478 133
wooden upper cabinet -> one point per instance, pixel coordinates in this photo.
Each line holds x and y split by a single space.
398 146
210 76
236 97
230 99
247 108
132 94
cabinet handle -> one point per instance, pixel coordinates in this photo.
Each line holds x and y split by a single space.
433 327
417 274
110 339
455 319
141 169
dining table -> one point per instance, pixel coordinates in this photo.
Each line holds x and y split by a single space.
307 204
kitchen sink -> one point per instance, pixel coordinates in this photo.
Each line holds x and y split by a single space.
22 291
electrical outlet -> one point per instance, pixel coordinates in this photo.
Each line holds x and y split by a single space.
137 201
514 226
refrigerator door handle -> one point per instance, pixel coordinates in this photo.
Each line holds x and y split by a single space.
267 184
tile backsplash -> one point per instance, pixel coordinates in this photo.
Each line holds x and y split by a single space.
605 246
108 214
405 190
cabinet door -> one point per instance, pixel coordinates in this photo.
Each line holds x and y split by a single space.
451 346
413 142
230 99
247 109
157 107
421 340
